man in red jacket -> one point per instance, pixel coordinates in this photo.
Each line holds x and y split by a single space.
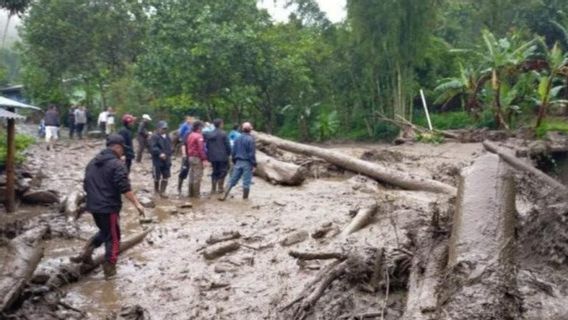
195 148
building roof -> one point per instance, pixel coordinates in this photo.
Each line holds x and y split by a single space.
5 114
9 103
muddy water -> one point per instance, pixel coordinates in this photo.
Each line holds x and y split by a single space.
168 276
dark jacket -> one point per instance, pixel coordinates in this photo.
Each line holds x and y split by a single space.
128 148
245 149
218 145
159 145
51 118
106 179
142 130
71 118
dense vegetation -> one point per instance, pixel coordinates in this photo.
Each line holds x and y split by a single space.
498 63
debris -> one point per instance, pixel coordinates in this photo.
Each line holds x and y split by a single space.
220 249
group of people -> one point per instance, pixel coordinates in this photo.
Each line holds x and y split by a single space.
107 174
106 121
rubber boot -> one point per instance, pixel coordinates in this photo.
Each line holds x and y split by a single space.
224 197
221 186
156 187
180 184
246 193
213 186
109 270
191 191
197 189
163 187
86 256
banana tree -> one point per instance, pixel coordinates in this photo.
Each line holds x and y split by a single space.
503 58
557 65
466 86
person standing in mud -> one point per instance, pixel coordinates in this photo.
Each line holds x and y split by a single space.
244 159
110 121
161 149
142 137
195 147
71 121
106 180
51 121
80 121
102 121
183 132
126 132
218 152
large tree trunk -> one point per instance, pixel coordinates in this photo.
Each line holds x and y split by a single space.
520 165
481 250
22 258
279 172
71 272
373 170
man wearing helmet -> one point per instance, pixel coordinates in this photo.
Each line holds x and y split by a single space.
127 122
161 149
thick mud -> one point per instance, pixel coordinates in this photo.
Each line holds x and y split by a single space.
169 278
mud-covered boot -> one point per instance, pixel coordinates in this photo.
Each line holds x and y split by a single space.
156 187
190 190
213 186
226 195
221 186
163 187
109 270
86 256
197 189
246 193
180 184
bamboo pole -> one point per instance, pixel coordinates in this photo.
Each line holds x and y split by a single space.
10 166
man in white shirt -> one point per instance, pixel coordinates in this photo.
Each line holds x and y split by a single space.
102 121
110 121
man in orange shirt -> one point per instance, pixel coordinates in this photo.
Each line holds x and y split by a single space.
195 148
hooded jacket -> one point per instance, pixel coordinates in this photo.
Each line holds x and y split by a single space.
218 146
128 148
106 179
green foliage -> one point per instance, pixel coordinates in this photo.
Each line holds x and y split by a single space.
22 142
430 137
552 124
327 125
447 120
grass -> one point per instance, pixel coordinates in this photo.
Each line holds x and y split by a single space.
552 124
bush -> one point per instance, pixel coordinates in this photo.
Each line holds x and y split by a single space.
456 120
22 142
552 124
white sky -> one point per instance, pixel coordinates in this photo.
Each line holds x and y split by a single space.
334 9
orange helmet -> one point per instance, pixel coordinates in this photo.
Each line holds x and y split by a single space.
128 119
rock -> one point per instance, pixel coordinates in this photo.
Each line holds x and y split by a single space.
224 268
135 312
293 238
23 184
95 134
364 184
186 205
40 197
538 148
146 202
558 141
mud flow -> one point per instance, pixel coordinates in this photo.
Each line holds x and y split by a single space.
339 246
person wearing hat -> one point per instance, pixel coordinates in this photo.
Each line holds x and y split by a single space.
142 136
244 159
126 132
161 149
106 180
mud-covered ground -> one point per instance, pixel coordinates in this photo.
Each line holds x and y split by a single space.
168 276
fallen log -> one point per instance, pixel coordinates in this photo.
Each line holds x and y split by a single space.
362 218
21 260
219 250
373 170
317 255
224 236
278 172
520 165
481 250
72 272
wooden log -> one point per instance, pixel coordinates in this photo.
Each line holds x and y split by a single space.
481 250
72 272
520 165
362 218
224 236
376 171
278 172
23 255
316 255
220 250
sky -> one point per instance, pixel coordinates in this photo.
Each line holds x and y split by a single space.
334 9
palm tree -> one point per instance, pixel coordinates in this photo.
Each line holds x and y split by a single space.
466 86
14 7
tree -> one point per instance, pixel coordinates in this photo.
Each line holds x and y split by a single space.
557 65
14 7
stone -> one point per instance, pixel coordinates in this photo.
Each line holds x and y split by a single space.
40 197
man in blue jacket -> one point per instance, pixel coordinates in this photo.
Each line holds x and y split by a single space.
244 159
106 180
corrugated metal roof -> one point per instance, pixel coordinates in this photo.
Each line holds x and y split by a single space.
5 114
5 102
